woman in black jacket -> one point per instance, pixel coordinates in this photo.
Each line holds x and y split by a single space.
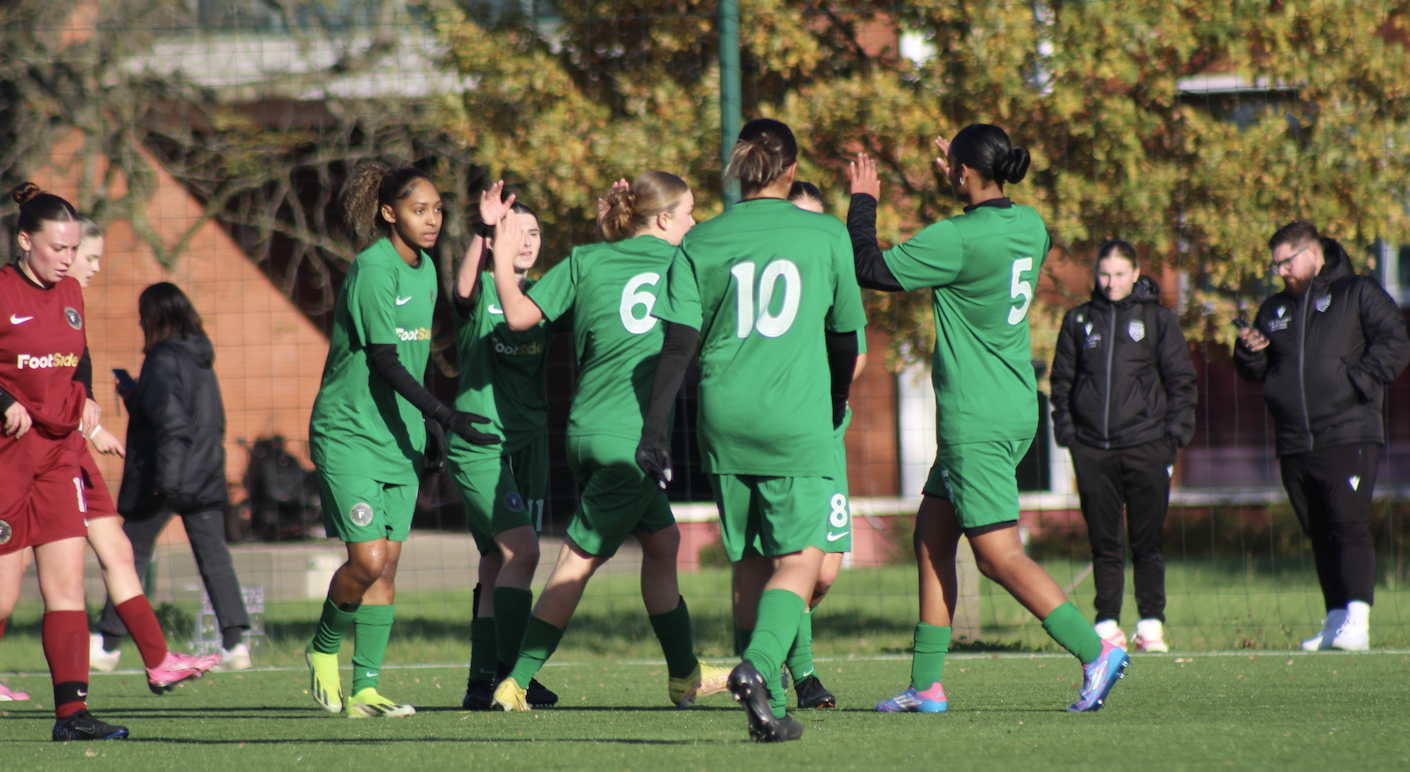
1124 402
176 461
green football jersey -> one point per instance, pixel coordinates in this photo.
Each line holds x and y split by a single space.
762 282
502 373
360 426
982 268
610 291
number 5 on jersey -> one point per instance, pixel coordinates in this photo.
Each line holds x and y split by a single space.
1021 289
769 324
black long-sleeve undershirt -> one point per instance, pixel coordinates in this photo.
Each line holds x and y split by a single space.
84 373
676 353
385 362
872 271
841 364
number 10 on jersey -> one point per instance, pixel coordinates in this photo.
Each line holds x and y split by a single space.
769 324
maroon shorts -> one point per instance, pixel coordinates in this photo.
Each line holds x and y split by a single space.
95 491
41 491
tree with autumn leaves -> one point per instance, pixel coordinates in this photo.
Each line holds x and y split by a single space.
1092 89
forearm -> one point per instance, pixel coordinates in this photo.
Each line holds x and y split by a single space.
841 364
467 279
872 271
387 365
84 373
676 353
6 401
520 313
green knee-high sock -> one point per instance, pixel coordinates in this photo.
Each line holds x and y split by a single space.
540 641
511 613
928 664
779 611
800 655
333 624
374 628
1069 628
677 642
741 640
484 649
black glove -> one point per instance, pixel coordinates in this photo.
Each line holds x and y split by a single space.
433 462
463 424
655 461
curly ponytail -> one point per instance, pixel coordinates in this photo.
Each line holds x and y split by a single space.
764 150
372 185
631 210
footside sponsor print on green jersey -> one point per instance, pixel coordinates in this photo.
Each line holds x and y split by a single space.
610 291
982 268
359 424
502 373
762 282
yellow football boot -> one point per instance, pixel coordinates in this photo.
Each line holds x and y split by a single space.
324 682
508 696
703 681
369 704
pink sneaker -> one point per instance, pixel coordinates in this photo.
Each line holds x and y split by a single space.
175 669
11 696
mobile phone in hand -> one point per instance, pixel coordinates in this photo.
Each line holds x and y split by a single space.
124 379
1241 323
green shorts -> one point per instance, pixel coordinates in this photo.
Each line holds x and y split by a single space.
357 509
618 498
771 516
980 479
501 492
837 537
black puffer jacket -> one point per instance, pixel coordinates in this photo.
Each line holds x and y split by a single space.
1122 374
175 432
1332 351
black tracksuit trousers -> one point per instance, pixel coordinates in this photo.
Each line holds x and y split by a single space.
1330 490
1136 480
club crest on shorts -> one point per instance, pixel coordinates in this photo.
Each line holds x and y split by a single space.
5 532
513 502
75 321
1323 303
1137 330
361 513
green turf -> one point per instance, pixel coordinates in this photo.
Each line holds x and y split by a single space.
1213 605
1269 711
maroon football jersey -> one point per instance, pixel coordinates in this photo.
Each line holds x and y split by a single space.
41 343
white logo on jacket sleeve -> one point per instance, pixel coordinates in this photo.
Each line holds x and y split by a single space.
1137 330
1323 303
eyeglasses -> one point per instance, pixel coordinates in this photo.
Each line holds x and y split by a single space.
1277 264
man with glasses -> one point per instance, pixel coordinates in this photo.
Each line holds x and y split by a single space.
1325 348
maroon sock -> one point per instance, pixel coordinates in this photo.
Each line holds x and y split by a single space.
66 648
144 628
3 622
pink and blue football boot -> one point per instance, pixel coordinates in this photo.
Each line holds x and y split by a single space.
1099 677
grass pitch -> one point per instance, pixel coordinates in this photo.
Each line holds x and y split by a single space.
1240 711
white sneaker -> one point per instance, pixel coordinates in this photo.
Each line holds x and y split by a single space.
100 659
1150 637
1109 630
1322 641
234 659
1354 634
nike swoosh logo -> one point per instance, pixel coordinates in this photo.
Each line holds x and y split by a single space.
836 536
494 309
371 674
403 301
17 319
82 693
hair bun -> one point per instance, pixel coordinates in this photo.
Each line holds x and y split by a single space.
25 192
1013 167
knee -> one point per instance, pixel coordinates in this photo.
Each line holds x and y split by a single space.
664 545
519 548
366 571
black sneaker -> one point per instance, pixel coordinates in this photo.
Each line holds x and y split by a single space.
812 694
479 695
83 726
747 686
539 695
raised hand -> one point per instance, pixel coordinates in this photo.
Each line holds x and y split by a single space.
492 208
510 233
942 164
861 173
